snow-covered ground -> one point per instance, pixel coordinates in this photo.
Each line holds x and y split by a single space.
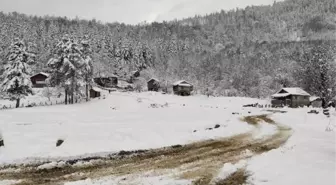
308 157
127 121
122 121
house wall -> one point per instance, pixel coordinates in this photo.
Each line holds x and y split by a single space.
153 85
107 82
280 102
39 81
94 94
291 101
299 101
316 103
182 90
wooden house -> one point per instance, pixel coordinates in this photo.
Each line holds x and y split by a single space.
153 85
39 80
182 88
315 101
95 92
292 97
109 82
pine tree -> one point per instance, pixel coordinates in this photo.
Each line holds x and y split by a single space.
67 64
318 70
16 82
87 67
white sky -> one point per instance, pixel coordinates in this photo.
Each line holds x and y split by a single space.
126 11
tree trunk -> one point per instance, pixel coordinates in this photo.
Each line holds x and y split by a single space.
69 99
66 97
87 89
72 89
18 103
87 92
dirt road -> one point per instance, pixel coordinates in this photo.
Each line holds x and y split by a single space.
199 161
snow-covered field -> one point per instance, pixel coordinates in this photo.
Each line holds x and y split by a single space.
122 121
308 157
128 121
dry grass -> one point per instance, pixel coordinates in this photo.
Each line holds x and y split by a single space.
237 178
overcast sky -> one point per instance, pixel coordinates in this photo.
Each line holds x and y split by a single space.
126 11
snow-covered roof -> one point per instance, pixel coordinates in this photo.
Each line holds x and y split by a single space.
96 89
313 98
42 73
153 79
185 83
293 91
280 95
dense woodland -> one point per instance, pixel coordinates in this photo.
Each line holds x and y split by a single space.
244 52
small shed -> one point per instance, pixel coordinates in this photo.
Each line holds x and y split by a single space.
153 84
95 92
315 101
183 88
292 97
110 81
39 80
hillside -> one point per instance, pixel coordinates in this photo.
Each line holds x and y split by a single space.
246 52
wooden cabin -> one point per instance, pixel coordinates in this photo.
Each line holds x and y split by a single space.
109 82
292 97
182 88
153 85
39 80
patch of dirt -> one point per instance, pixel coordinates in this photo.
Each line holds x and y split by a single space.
255 120
237 178
199 161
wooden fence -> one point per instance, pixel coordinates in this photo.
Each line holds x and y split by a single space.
37 104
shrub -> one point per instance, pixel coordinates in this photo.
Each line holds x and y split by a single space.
59 142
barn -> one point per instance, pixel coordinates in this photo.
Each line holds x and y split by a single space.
39 80
292 97
182 88
153 84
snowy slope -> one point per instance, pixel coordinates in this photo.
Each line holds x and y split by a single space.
122 121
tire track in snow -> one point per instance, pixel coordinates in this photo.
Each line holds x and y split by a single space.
199 161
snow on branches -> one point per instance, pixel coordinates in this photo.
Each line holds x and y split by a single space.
16 82
71 65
